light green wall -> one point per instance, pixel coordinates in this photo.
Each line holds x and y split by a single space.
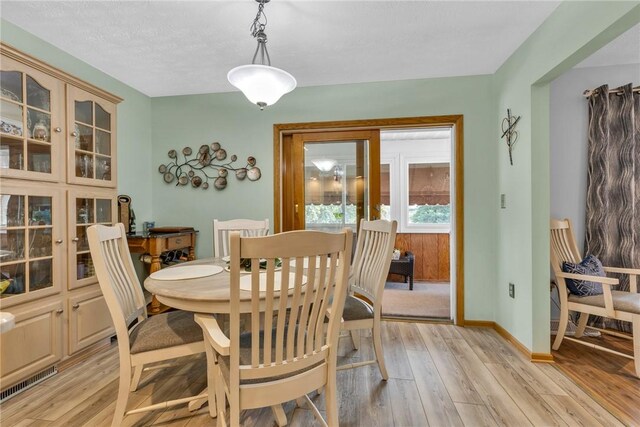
134 115
245 130
570 34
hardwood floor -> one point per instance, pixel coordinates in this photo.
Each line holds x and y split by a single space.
440 375
610 379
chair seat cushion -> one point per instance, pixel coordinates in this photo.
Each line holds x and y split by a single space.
245 358
622 301
590 266
356 309
165 330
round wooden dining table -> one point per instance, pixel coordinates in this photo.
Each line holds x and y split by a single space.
209 294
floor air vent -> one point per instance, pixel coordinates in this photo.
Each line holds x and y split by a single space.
28 383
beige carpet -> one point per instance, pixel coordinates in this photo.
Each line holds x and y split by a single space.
425 300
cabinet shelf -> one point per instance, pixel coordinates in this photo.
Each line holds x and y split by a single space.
38 109
14 262
39 142
42 258
14 138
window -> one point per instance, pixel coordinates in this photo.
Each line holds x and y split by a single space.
385 191
427 201
415 180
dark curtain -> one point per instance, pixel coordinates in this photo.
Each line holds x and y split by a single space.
613 182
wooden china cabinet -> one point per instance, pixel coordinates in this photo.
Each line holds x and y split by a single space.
57 177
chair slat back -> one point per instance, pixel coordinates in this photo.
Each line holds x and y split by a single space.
246 227
563 244
288 329
116 276
372 258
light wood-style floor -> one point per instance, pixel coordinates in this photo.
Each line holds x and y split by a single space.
608 378
440 375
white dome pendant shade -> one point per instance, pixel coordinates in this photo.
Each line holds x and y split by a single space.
263 85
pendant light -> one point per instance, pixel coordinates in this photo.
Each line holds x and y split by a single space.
324 165
261 83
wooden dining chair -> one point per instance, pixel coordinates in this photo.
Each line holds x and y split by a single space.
141 340
363 306
287 350
246 227
619 305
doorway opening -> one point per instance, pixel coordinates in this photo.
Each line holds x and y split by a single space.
332 174
416 190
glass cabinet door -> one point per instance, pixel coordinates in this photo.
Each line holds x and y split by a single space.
91 139
31 242
31 123
86 208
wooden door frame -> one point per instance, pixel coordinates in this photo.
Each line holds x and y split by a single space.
456 121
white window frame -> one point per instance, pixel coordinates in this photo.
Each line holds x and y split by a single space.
403 208
394 196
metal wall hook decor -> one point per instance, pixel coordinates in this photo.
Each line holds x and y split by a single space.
206 165
509 132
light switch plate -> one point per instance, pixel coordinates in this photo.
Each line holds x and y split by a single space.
503 201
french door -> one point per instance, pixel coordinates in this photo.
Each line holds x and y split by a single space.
330 180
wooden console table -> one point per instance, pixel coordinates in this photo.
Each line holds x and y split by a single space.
155 244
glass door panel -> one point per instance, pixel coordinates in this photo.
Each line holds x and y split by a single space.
30 120
89 208
92 143
330 185
37 95
12 122
29 243
84 112
335 195
12 245
39 157
11 85
103 118
103 211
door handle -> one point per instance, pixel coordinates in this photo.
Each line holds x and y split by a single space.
296 207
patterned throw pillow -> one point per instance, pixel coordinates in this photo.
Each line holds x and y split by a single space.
590 266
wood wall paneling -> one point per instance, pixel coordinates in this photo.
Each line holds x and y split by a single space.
444 263
431 253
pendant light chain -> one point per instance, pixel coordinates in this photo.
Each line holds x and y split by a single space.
257 31
258 26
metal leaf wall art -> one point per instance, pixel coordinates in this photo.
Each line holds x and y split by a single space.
207 164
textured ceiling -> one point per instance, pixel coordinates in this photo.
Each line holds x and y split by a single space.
623 50
184 47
